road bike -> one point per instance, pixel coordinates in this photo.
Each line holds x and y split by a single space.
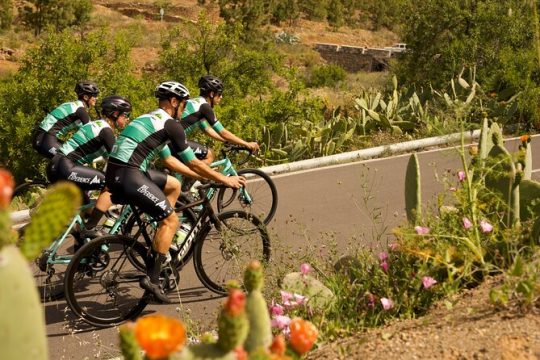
102 281
258 197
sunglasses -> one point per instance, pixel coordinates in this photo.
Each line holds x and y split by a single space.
126 114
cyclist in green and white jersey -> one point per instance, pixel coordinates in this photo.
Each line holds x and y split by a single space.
64 118
91 141
129 178
199 114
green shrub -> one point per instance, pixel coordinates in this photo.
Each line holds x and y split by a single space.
325 75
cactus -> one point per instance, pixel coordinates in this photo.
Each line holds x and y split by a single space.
486 142
51 218
260 334
525 155
128 342
495 135
22 324
530 199
318 295
413 194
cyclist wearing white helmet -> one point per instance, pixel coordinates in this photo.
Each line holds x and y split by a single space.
64 118
128 176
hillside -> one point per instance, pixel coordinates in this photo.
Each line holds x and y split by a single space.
144 14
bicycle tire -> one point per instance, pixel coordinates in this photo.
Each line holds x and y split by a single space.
86 278
218 257
28 196
260 188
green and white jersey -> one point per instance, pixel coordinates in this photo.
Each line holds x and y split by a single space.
198 114
91 141
147 137
64 118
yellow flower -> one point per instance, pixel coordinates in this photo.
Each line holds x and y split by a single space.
159 336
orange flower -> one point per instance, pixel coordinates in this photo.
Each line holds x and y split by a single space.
6 188
278 345
235 303
525 138
303 335
159 336
240 353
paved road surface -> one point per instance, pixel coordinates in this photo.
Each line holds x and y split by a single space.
345 204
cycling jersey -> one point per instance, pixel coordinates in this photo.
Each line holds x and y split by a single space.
90 142
199 114
65 117
146 137
128 177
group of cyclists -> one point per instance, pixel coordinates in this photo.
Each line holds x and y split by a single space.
161 133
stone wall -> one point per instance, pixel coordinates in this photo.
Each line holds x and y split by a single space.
353 58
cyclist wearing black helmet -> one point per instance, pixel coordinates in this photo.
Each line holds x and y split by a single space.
65 117
199 113
128 176
91 141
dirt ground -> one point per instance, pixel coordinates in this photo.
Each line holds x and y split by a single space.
470 329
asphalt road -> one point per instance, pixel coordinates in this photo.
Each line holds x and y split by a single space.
351 204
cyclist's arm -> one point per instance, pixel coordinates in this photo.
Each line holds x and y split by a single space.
107 139
213 134
180 147
82 114
230 137
176 165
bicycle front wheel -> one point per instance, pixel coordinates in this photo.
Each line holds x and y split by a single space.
222 252
259 196
102 284
28 196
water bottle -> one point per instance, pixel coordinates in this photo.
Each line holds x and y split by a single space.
108 224
181 235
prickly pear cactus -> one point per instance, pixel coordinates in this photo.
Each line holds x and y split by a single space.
413 193
22 324
260 334
232 332
486 141
128 343
51 217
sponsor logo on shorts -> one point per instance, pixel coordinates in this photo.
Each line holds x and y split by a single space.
79 179
144 190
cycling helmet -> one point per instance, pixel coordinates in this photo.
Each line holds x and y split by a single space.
210 83
110 104
171 88
86 88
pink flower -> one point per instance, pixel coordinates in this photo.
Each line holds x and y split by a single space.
387 304
467 224
292 300
383 256
276 309
384 266
305 269
421 230
461 175
452 189
280 322
428 282
485 226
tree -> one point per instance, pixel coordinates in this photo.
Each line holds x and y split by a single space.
335 13
285 10
38 14
494 37
6 14
250 13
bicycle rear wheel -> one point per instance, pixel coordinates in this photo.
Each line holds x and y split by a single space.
28 196
102 284
49 277
222 254
260 197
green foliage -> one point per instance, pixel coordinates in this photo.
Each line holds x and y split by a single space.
326 75
445 36
314 10
47 78
413 190
6 14
251 14
39 14
287 11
